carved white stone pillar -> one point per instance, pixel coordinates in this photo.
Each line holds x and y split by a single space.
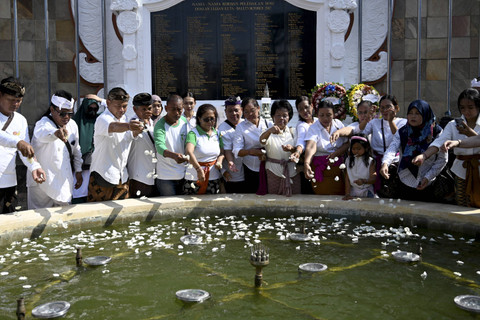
338 21
128 22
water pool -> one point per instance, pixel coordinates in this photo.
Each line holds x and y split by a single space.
150 264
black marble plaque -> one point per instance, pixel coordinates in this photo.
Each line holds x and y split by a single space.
220 48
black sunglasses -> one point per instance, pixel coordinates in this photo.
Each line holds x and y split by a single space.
209 119
64 114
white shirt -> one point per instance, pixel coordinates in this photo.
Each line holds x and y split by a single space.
321 136
247 136
140 165
355 126
374 128
274 149
430 168
109 159
171 138
207 149
451 133
192 122
227 133
16 131
358 171
356 129
52 153
302 129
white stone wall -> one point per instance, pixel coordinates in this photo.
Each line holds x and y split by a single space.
129 64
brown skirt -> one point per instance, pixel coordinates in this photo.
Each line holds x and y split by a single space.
98 193
274 181
329 186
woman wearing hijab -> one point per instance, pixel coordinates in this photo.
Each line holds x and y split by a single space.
417 182
85 118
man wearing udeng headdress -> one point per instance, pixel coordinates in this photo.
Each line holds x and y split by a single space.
55 140
113 137
13 136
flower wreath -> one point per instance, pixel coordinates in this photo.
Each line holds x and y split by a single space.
334 92
359 92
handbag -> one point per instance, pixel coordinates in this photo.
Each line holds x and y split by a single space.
389 187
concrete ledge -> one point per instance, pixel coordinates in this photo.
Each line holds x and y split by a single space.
34 223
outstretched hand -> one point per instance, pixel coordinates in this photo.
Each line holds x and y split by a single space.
62 134
25 149
384 171
419 160
39 175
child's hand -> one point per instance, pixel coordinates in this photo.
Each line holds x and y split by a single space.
360 182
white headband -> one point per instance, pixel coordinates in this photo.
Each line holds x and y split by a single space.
371 97
475 83
62 103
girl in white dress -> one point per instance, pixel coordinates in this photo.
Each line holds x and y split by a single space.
360 175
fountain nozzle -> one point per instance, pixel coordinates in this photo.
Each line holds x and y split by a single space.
21 309
78 257
259 258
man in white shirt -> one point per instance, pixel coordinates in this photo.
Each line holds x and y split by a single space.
170 133
112 139
13 136
56 142
143 158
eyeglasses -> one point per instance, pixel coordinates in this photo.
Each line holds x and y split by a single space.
210 119
387 107
64 114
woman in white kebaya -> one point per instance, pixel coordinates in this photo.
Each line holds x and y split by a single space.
279 141
246 142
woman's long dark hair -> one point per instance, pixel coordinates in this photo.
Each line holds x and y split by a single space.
297 102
